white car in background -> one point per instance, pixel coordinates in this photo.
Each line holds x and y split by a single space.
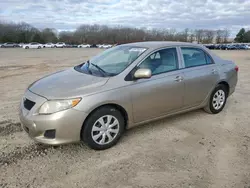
60 45
21 44
49 45
105 46
35 45
84 46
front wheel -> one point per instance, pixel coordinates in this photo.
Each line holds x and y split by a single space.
39 47
103 128
217 100
26 47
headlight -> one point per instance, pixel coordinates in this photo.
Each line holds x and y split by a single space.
53 106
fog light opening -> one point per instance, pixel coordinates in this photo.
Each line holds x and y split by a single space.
51 134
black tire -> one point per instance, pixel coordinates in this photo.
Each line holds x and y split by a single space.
86 133
210 108
26 47
39 47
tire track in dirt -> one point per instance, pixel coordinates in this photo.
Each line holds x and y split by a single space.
7 127
27 152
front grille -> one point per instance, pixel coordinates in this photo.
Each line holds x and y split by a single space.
28 104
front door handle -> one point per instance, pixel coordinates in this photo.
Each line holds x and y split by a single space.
178 78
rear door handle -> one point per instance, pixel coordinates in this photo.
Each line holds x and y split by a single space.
178 78
213 71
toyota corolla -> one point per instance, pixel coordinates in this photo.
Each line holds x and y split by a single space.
122 87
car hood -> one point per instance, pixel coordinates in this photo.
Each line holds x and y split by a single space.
67 84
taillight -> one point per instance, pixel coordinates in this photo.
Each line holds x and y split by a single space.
236 68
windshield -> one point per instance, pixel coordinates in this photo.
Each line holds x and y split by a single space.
112 61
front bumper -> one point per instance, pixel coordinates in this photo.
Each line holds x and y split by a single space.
67 124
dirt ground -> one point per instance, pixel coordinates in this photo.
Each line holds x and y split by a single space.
195 149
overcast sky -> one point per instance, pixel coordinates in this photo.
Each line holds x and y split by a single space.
179 14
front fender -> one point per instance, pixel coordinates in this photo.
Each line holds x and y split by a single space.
118 97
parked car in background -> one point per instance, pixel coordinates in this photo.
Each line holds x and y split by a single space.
122 87
243 47
9 45
60 45
209 46
224 47
217 46
84 46
49 45
66 45
33 45
21 45
106 46
232 47
93 46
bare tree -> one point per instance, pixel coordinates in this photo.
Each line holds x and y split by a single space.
186 34
225 35
219 36
208 36
198 35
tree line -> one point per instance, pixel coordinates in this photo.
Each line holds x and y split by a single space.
99 34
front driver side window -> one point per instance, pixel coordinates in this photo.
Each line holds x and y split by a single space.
161 61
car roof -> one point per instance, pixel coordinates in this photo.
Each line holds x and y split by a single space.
160 44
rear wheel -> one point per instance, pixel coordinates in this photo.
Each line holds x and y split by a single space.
39 47
26 47
103 128
217 100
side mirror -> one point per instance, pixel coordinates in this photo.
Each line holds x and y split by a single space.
142 73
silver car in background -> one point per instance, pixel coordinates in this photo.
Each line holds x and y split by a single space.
122 87
33 45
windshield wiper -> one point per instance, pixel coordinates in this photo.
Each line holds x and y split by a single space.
103 72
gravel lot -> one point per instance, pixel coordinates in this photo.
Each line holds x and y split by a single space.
195 149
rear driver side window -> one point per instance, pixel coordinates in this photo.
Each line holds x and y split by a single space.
194 57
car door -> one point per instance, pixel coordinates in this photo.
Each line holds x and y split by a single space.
35 45
32 45
163 92
200 75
